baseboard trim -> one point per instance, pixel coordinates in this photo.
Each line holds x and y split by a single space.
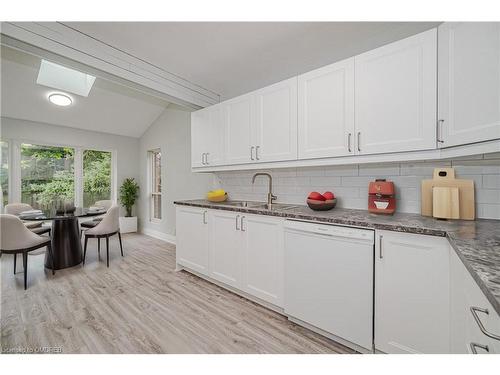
159 235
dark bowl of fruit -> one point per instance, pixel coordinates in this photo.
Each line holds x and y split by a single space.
321 202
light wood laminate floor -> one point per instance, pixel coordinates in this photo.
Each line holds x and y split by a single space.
139 305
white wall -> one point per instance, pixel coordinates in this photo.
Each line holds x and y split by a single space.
350 183
125 148
171 133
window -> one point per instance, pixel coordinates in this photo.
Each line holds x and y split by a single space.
155 174
96 176
47 175
4 172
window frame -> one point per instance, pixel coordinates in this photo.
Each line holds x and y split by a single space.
152 184
14 165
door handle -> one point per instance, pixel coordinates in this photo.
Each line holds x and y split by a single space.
474 311
380 247
251 153
237 217
242 229
349 142
257 152
359 140
206 157
203 158
439 129
474 345
204 217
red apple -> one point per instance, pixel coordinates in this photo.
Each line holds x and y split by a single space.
328 195
316 196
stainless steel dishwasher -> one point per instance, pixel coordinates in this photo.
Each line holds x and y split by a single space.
329 280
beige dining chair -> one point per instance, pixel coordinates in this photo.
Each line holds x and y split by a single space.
106 204
107 227
35 226
17 239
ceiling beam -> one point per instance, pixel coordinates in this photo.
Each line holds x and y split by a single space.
56 41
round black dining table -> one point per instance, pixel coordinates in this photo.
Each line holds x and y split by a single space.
66 244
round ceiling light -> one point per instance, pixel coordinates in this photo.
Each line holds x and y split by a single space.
60 99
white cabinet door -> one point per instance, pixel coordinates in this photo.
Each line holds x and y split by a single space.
263 257
326 111
469 82
275 131
396 96
239 123
207 137
199 132
215 137
225 247
412 294
465 331
192 238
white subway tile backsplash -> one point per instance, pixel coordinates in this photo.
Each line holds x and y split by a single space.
325 181
491 181
383 170
350 183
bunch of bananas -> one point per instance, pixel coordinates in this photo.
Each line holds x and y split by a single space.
218 195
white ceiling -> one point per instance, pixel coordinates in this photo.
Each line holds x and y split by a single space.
109 108
231 58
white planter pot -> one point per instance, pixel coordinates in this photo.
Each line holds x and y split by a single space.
128 224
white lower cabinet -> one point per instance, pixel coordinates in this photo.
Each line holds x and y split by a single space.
263 257
225 248
246 253
192 238
466 300
412 293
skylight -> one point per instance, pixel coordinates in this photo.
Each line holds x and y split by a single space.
62 78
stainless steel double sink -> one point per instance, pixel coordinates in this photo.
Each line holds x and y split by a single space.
260 205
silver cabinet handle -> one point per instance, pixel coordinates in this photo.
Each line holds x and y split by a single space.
242 229
203 159
257 152
380 247
349 142
206 157
439 130
474 345
359 140
204 217
237 217
474 310
251 153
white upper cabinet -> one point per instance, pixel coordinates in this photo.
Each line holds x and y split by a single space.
275 130
207 137
326 111
396 96
469 82
239 120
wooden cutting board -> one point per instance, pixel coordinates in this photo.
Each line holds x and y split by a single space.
445 177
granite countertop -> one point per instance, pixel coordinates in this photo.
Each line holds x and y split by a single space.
477 243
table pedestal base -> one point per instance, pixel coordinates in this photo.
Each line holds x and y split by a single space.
66 245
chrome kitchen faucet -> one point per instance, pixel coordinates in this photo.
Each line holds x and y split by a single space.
270 196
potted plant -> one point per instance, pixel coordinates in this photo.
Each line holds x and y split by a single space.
129 192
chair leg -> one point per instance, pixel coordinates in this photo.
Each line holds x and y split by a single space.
85 249
25 265
107 251
98 248
15 262
49 248
120 238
